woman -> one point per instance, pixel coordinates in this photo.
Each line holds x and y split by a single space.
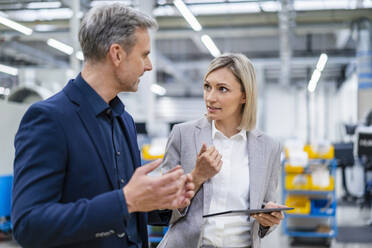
233 165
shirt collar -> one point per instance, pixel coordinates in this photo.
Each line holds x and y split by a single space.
218 133
117 106
96 101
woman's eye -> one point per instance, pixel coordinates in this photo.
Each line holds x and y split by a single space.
207 87
223 89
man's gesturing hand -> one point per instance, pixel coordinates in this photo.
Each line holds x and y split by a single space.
172 190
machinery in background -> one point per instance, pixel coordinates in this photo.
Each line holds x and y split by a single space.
6 182
363 151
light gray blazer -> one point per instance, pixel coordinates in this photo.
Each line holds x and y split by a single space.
183 146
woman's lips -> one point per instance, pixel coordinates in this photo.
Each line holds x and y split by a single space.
213 109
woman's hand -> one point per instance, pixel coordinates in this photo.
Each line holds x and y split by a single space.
270 219
207 165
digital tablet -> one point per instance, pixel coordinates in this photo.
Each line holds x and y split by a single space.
248 212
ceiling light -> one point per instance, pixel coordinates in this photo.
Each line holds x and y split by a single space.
208 42
314 80
190 18
16 26
157 89
100 3
322 62
60 46
44 5
79 55
9 70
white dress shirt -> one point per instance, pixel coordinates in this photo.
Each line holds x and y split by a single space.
230 192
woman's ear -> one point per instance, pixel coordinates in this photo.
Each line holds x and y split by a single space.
243 98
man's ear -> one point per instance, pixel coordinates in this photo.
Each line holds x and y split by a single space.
116 54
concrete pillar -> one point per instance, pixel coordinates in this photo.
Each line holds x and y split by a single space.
286 25
262 99
364 67
145 94
74 31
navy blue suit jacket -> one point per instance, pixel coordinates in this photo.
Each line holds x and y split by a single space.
64 192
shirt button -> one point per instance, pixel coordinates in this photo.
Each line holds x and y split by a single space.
117 153
121 235
122 180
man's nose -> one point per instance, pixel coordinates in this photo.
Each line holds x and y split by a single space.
148 65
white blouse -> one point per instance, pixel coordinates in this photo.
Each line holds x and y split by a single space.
230 192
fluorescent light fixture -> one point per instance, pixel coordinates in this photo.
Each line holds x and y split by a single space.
79 55
4 91
157 89
16 26
322 62
314 80
44 5
190 18
100 3
44 28
9 70
60 46
208 42
270 6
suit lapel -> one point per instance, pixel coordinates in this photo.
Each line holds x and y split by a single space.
203 134
91 125
132 142
256 160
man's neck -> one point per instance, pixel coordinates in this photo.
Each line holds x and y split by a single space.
98 76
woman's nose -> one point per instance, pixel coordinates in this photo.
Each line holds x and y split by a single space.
211 96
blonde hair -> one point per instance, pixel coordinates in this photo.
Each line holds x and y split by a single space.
244 72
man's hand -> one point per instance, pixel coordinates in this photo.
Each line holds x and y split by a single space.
172 190
270 219
208 164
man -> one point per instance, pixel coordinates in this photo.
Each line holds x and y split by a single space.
76 176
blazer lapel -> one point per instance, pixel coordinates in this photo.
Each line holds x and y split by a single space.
256 175
203 134
91 125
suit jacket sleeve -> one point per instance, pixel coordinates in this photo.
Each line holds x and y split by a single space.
273 185
38 216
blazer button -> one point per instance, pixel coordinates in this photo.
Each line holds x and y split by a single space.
120 235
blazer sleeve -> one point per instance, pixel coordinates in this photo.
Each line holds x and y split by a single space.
271 192
172 158
39 218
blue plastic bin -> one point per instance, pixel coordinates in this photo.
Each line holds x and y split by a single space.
6 182
323 207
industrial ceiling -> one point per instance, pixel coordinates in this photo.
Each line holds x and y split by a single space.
254 28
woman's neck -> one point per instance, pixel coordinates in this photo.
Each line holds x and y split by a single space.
228 127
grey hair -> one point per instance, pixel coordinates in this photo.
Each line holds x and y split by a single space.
105 25
244 72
